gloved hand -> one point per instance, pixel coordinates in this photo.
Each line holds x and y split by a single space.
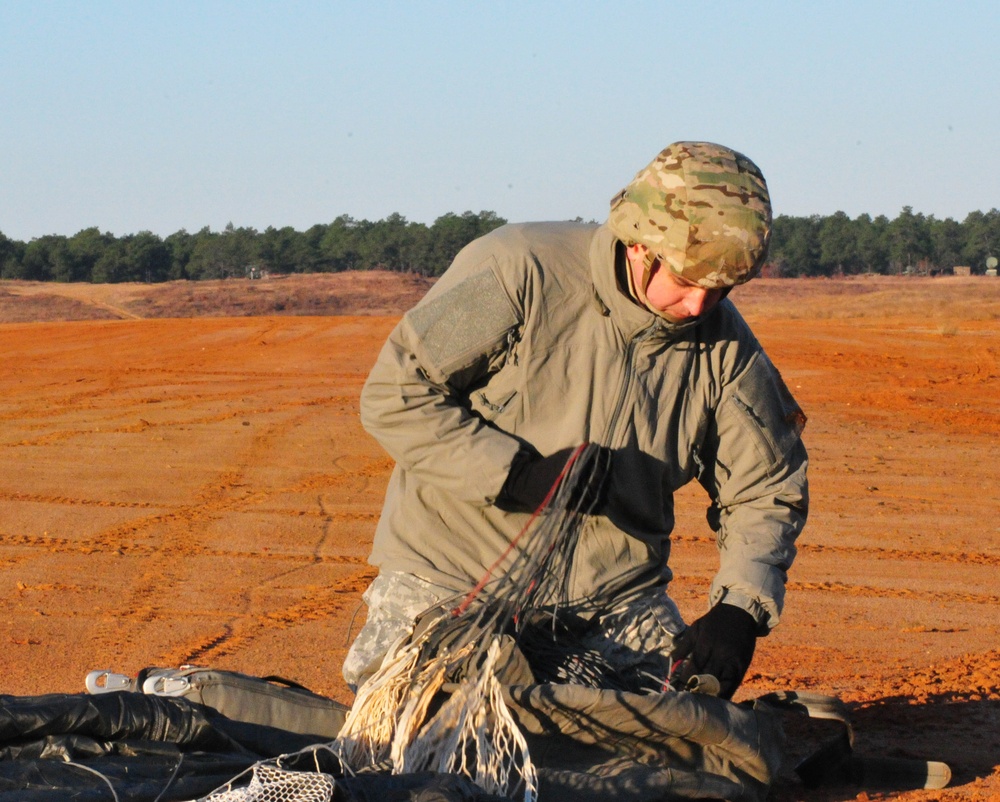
532 476
720 643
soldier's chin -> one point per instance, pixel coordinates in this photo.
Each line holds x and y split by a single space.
672 318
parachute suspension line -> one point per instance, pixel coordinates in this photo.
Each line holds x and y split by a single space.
513 544
114 794
171 779
473 733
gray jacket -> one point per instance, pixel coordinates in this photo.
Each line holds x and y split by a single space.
529 339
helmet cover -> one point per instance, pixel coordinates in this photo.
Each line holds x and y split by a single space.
702 209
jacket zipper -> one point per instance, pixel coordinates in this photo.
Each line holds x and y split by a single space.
616 415
633 344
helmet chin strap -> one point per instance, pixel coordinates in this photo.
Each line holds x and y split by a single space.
648 260
638 291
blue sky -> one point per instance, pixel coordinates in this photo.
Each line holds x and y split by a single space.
159 116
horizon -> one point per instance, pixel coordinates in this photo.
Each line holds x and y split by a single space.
230 224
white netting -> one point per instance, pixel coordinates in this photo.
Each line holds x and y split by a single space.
473 734
367 733
271 783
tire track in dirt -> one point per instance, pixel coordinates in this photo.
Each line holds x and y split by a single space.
143 424
91 546
38 498
122 312
322 603
922 555
325 603
10 562
701 583
869 591
111 385
875 552
319 604
212 644
236 376
228 493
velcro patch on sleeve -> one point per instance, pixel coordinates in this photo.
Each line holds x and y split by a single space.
464 323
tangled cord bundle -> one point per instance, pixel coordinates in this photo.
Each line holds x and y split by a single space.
459 652
397 715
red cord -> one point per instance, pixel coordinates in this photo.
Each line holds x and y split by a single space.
513 544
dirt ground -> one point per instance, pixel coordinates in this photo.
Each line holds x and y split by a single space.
199 490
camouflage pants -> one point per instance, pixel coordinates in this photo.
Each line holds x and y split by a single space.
635 631
394 600
639 633
645 623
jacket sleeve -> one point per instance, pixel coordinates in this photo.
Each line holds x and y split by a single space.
759 490
416 399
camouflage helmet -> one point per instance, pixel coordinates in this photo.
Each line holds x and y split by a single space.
702 209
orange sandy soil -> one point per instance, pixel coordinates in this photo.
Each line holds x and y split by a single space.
178 490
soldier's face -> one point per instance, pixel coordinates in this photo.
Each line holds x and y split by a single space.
670 294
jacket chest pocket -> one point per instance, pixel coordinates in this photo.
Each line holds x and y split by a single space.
490 408
500 398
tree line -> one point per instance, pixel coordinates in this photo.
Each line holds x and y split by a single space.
345 244
911 243
800 246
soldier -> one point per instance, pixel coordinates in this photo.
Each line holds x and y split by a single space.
543 336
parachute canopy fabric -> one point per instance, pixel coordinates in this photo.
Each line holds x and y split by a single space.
129 746
124 746
587 743
598 744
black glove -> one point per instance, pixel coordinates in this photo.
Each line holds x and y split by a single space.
532 476
720 643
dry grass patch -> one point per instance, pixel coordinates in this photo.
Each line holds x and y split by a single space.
354 293
940 300
16 308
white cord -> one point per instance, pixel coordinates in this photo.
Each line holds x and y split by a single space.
94 771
